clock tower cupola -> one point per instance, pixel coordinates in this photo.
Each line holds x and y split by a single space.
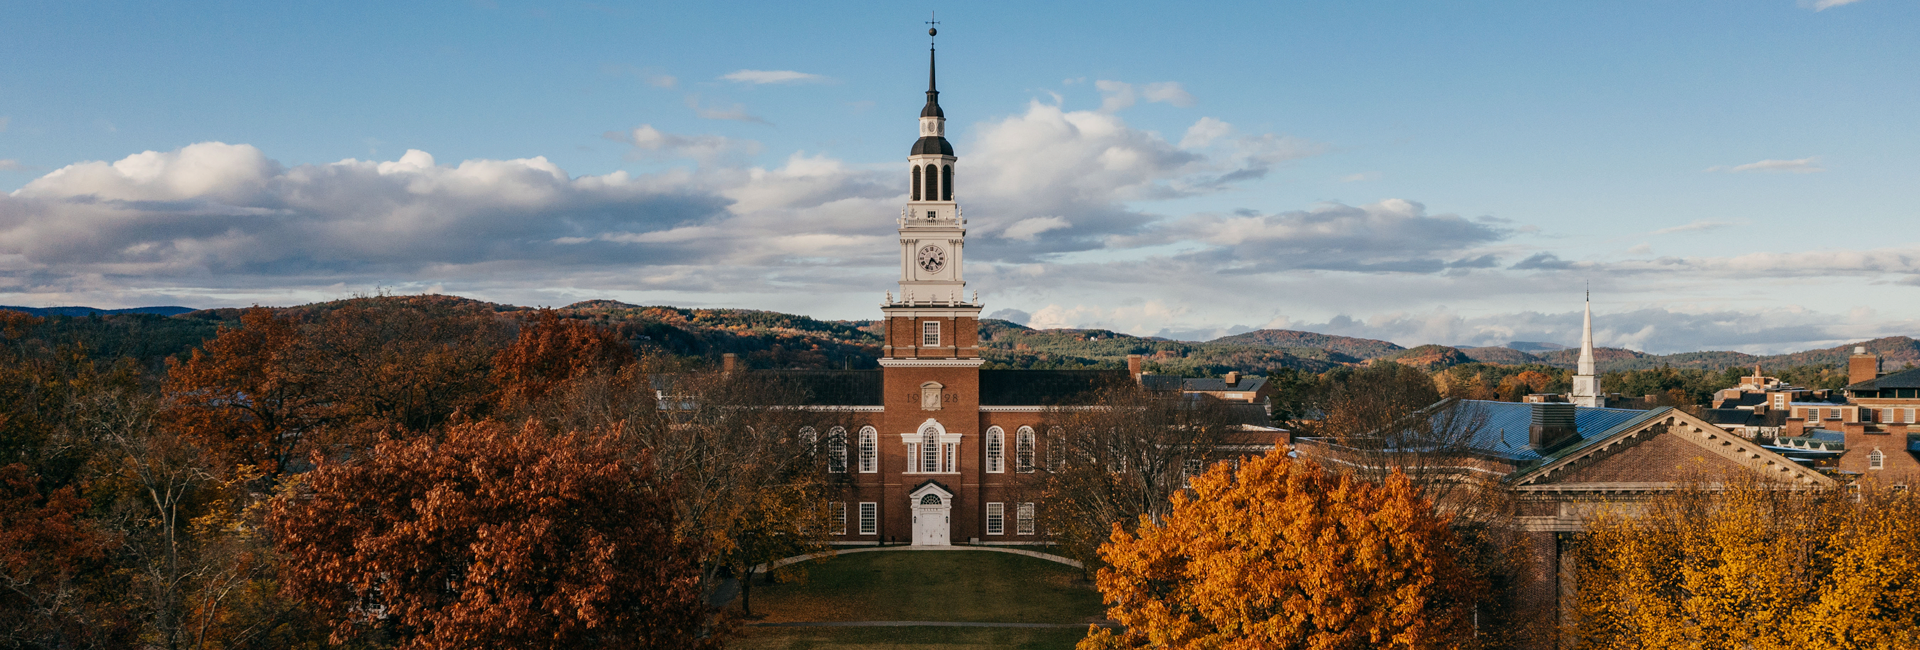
943 322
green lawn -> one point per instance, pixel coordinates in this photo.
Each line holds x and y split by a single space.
926 586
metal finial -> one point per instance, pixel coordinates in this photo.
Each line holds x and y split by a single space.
933 31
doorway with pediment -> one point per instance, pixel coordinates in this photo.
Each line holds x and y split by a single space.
932 515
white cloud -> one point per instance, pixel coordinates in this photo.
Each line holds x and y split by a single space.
771 77
1027 229
663 81
1170 92
1360 177
649 142
736 112
1823 5
1806 165
8 165
1203 132
1697 226
1118 95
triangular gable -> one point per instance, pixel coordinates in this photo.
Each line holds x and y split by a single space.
930 485
1657 452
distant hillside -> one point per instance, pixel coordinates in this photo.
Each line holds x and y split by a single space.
1501 355
89 311
1430 357
1357 348
767 339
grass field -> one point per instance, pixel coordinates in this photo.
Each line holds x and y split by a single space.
955 585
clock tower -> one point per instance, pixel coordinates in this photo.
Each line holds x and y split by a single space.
932 318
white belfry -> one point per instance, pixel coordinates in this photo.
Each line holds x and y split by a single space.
1586 383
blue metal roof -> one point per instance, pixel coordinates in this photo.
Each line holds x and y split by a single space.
1507 425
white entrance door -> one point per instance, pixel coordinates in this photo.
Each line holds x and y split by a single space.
932 521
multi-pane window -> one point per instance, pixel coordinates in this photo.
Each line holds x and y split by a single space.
996 519
869 450
1023 451
1876 460
837 450
869 518
1191 468
838 510
1024 519
1833 414
930 334
995 464
1886 415
929 450
1909 416
808 439
1057 448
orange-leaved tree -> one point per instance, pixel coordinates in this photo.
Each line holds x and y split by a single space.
494 537
551 351
244 396
1280 554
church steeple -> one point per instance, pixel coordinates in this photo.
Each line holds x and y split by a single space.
1586 382
932 317
933 90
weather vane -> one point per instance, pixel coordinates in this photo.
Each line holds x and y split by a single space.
931 30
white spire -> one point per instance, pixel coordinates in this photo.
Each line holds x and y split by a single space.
1586 341
1586 382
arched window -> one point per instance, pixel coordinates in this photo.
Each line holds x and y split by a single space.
1056 448
1023 451
933 183
869 450
1876 460
837 450
995 464
916 182
930 450
946 182
930 500
809 439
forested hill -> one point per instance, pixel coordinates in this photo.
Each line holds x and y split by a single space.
766 339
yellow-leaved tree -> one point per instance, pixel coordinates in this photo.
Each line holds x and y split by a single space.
1280 554
1740 562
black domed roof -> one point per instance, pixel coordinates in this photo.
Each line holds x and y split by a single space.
933 106
932 145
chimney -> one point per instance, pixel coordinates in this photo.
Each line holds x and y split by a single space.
1134 363
1233 379
726 363
1553 425
1862 366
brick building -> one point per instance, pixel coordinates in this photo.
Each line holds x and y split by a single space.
936 450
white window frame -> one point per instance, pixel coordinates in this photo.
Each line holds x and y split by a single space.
869 518
930 334
1023 519
1887 415
1909 419
1023 451
1833 414
837 450
996 450
996 518
838 510
1876 460
930 452
869 450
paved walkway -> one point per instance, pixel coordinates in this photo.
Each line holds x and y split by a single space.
925 624
875 549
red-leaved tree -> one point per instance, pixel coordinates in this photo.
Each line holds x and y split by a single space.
494 537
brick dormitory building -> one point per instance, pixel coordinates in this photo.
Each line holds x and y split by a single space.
935 449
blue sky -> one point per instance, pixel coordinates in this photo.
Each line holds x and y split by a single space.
1730 175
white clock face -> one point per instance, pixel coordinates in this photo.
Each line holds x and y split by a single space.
932 258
